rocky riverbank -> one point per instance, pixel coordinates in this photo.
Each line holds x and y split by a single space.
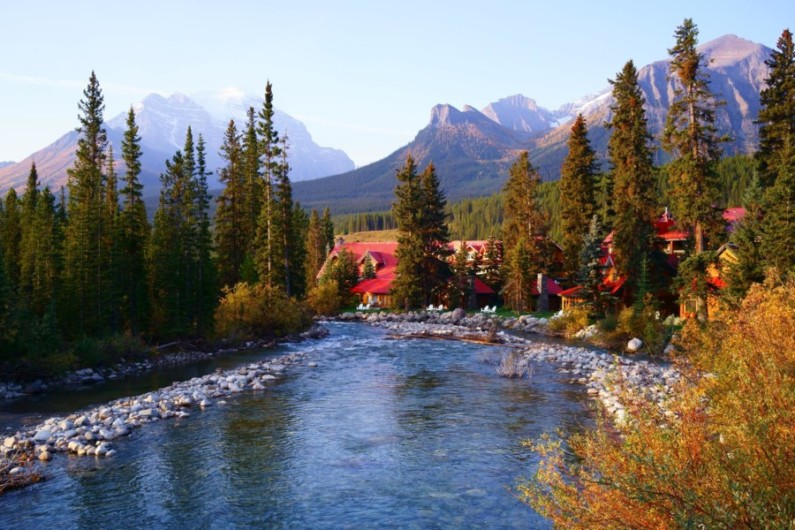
91 432
612 379
92 376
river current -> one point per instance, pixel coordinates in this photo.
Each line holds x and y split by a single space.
383 433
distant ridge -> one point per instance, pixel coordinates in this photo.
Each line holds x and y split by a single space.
163 122
472 150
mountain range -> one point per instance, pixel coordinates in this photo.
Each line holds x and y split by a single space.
472 150
162 125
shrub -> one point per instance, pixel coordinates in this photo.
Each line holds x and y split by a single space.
642 321
324 299
570 322
723 456
247 312
608 324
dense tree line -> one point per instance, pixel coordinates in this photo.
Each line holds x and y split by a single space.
80 270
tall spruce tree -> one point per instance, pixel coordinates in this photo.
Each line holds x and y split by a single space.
85 243
11 239
492 264
589 277
284 245
206 280
134 233
252 183
578 177
777 157
269 151
435 234
522 229
745 242
633 176
112 288
181 271
422 236
776 119
232 215
28 234
328 229
691 138
167 255
45 259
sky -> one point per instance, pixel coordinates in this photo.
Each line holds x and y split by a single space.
362 75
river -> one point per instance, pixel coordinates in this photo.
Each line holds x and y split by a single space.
383 433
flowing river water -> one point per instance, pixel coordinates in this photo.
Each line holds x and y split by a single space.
383 433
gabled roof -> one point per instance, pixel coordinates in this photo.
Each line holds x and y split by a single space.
552 287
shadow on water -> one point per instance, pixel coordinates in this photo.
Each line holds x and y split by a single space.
409 433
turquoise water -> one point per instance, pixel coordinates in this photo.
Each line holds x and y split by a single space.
383 433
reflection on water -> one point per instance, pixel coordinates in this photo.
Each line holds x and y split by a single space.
410 433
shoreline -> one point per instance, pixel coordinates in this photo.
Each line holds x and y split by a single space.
91 432
100 374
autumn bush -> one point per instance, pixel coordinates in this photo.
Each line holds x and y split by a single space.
570 322
324 298
642 320
720 455
249 312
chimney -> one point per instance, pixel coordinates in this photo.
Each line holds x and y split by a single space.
543 295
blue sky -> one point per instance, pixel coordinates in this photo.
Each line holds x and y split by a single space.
361 75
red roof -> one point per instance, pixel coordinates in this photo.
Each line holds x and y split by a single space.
482 288
552 287
611 287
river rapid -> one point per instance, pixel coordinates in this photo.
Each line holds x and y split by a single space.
409 433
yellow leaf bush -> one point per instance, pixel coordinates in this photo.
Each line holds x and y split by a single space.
720 455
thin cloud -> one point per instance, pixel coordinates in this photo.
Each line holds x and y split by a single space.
71 83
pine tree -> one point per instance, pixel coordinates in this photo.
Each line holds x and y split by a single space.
691 138
633 177
435 234
85 245
577 182
777 114
463 275
777 158
133 232
406 289
206 288
46 258
589 277
111 258
11 240
523 226
28 235
232 216
519 276
492 264
182 273
252 183
328 229
270 151
167 253
368 269
745 242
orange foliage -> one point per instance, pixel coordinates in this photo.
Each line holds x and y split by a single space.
721 456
